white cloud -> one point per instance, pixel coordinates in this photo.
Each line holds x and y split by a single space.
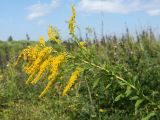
154 12
41 9
113 6
151 7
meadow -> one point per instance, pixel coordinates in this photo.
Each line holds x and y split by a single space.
111 78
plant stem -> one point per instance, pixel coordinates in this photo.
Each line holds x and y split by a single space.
118 77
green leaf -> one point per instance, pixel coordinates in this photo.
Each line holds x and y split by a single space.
108 86
137 105
134 98
135 78
128 91
149 116
119 97
95 83
122 83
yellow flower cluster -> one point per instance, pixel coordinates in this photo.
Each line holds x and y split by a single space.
35 66
72 21
71 81
28 54
82 44
44 61
53 35
55 63
43 67
39 60
41 41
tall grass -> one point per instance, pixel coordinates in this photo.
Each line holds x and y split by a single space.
97 94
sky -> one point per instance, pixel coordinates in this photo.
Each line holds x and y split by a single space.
21 17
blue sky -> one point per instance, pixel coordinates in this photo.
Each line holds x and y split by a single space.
21 17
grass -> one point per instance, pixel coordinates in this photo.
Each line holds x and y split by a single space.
120 82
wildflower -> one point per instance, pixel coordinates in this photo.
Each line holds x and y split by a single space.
72 21
42 69
50 83
33 53
55 63
28 54
22 55
41 41
35 65
71 81
82 44
101 110
53 35
26 67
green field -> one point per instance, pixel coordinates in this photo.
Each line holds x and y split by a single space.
120 81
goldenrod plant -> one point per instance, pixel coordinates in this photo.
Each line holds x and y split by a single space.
107 77
72 21
54 35
71 81
40 58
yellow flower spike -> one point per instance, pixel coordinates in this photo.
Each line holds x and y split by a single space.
50 83
42 69
50 32
33 53
53 35
71 81
55 64
35 65
23 55
28 54
26 67
72 21
41 41
58 41
82 44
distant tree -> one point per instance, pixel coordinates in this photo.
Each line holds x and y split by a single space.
27 36
10 38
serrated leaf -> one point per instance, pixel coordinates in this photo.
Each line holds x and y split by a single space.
128 91
95 83
149 116
134 98
137 104
119 97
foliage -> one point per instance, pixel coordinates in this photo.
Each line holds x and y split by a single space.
113 78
